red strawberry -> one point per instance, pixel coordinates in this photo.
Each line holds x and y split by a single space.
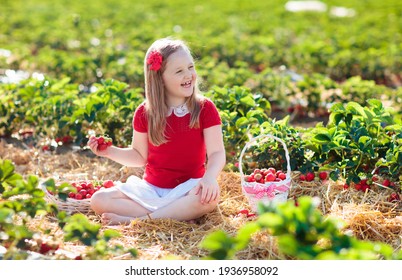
104 142
242 212
100 140
310 176
386 183
83 193
323 175
108 184
44 248
302 177
249 178
282 176
67 139
270 177
365 187
272 170
258 176
358 187
394 197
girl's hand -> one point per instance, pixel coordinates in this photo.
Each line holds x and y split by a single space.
93 145
208 189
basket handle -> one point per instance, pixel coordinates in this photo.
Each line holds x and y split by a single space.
248 144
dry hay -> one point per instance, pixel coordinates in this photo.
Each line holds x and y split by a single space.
367 215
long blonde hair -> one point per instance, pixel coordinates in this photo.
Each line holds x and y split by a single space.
155 95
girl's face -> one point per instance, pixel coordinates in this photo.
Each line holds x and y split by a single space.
179 77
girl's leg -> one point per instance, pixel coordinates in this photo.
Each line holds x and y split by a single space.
114 201
185 208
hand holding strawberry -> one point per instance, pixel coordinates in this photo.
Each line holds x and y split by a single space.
104 142
99 145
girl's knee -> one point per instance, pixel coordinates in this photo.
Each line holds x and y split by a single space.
97 200
205 207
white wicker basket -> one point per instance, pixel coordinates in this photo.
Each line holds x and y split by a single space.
269 192
70 205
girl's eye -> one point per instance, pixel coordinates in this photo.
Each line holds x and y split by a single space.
178 71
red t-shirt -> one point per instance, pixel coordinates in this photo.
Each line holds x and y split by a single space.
184 155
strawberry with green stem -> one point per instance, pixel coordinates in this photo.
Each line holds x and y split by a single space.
104 142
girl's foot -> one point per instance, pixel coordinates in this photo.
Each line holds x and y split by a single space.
114 219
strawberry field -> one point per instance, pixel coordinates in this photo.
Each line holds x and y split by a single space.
327 81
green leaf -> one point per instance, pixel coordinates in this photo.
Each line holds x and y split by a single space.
375 103
322 138
242 121
270 220
7 168
248 101
110 233
244 234
216 240
355 107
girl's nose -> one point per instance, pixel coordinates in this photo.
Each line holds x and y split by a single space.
188 74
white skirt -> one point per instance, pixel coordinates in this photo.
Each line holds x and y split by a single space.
152 197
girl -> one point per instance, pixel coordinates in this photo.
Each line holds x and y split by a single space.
177 137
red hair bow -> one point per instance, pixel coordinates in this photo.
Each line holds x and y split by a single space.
155 60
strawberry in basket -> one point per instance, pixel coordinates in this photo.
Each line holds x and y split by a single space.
265 175
86 188
104 142
265 185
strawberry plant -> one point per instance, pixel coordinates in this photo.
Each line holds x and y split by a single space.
240 111
78 228
308 94
272 153
302 232
354 140
22 200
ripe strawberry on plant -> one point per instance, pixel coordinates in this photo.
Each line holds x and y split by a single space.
323 175
310 176
394 197
386 183
362 185
45 248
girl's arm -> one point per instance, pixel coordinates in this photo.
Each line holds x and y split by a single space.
216 161
134 156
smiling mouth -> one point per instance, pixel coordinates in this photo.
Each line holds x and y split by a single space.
186 84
